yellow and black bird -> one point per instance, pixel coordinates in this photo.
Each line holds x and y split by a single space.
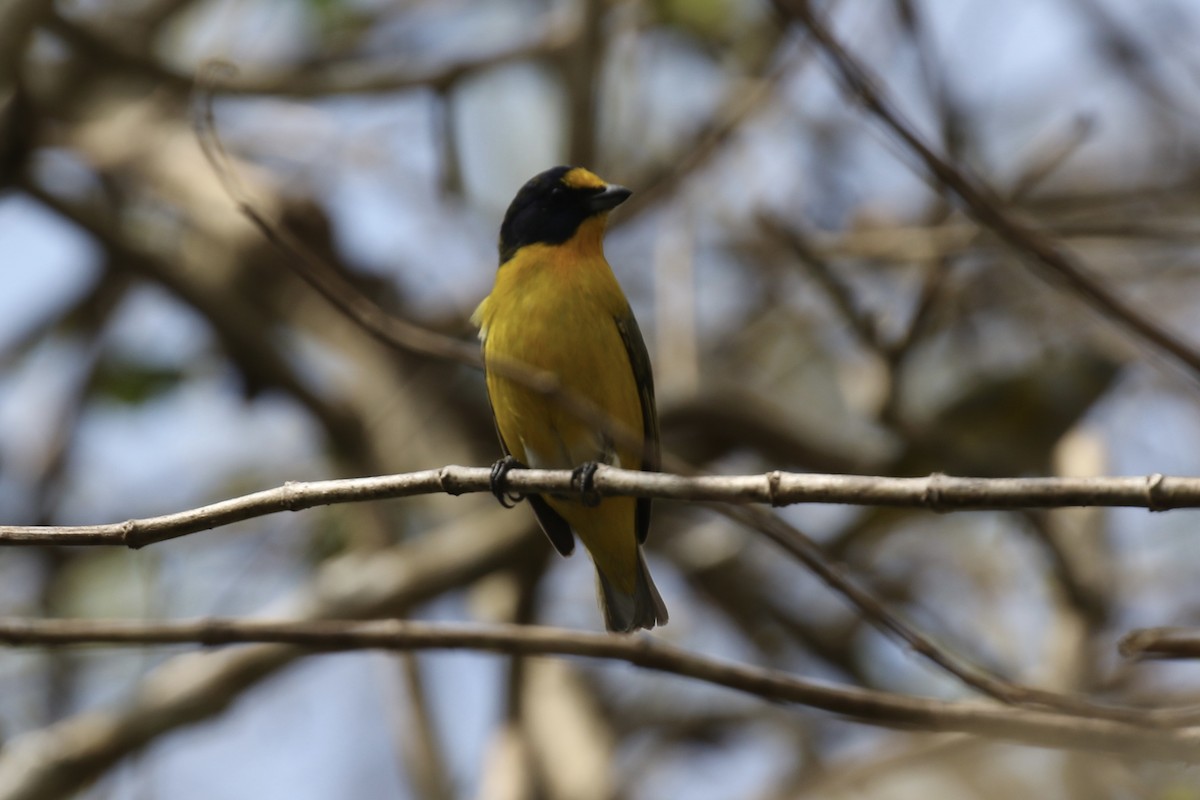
557 307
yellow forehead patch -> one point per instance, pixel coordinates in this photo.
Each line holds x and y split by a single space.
580 178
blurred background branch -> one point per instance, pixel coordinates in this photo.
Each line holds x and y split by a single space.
878 708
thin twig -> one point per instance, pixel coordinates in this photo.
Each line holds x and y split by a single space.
743 102
1051 158
1161 643
309 266
861 324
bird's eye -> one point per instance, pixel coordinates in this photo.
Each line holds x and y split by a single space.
557 191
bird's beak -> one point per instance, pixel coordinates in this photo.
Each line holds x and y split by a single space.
611 197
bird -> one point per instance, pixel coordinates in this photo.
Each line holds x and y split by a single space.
556 307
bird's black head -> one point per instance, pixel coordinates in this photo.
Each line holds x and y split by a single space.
552 205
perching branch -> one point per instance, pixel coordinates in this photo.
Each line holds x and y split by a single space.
936 493
869 706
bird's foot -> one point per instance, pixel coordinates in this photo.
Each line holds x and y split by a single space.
499 481
583 480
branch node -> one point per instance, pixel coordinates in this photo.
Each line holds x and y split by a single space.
1133 645
1155 496
290 495
448 480
931 498
774 479
128 530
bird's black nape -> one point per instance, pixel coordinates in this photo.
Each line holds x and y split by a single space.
552 205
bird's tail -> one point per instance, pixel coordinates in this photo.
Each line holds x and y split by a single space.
626 612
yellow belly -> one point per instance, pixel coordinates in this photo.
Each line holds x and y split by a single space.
564 323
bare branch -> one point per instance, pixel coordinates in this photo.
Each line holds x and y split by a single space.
936 492
868 706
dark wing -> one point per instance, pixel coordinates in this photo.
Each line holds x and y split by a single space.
556 528
639 360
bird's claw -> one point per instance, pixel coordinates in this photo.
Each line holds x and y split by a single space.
583 480
499 481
